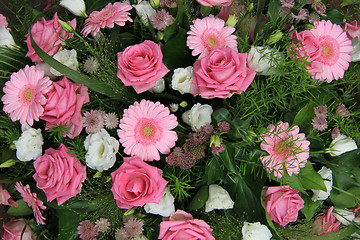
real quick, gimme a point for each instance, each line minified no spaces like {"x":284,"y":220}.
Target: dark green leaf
{"x":21,"y":210}
{"x":310,"y":179}
{"x":273,"y":11}
{"x":68,"y":222}
{"x":305,"y":114}
{"x":335,"y":16}
{"x":345,"y":199}
{"x":213,"y":171}
{"x":199,"y":199}
{"x":228,"y":157}
{"x":310,"y":207}
{"x":221,"y":114}
{"x":349,"y":2}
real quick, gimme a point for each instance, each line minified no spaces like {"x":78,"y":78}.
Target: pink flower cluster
{"x":18,"y":229}
{"x":325,"y":223}
{"x":132,"y":229}
{"x":326,"y":48}
{"x":319,"y":122}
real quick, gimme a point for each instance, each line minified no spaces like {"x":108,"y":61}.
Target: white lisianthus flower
{"x":144,"y":11}
{"x":164,"y":207}
{"x":76,"y":7}
{"x":29,"y":144}
{"x":219,"y":198}
{"x":355,"y":53}
{"x":66,"y":57}
{"x":6,"y":38}
{"x":255,"y":231}
{"x":326,"y":174}
{"x":101,"y":150}
{"x":340,"y":145}
{"x":263,"y":60}
{"x":344,"y":216}
{"x":182,"y":79}
{"x":159,"y":86}
{"x":198,"y":116}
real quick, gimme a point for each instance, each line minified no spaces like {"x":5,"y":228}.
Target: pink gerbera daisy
{"x":32,"y":201}
{"x":210,"y":33}
{"x":334,"y":48}
{"x":116,"y":13}
{"x":25,"y":94}
{"x":288,"y":149}
{"x":145,"y":130}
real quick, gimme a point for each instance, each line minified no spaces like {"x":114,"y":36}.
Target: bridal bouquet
{"x":164,"y":119}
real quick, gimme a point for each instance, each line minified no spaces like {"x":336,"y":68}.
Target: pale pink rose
{"x":48,"y":35}
{"x":181,"y":225}
{"x":210,"y":3}
{"x":141,"y":66}
{"x":14,"y":229}
{"x":59,"y":174}
{"x":64,"y":105}
{"x":5,"y":197}
{"x":136,"y":183}
{"x":221,"y":73}
{"x":352,"y":29}
{"x":325,"y":223}
{"x":283,"y":204}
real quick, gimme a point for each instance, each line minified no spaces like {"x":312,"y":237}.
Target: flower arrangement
{"x":163,"y":119}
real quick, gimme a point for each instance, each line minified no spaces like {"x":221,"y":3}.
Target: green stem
{"x":341,"y":234}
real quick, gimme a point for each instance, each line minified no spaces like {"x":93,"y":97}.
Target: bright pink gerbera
{"x":288,"y":149}
{"x":111,"y":14}
{"x":32,"y":201}
{"x":25,"y":94}
{"x":210,"y":33}
{"x":335,"y":47}
{"x":145,"y":130}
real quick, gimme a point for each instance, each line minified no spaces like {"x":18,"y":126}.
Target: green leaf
{"x":199,"y":199}
{"x":305,"y":114}
{"x":221,"y":114}
{"x":205,"y":11}
{"x":213,"y":171}
{"x":310,"y":179}
{"x":228,"y":156}
{"x":345,"y":199}
{"x":310,"y":207}
{"x":335,"y":16}
{"x":349,"y":2}
{"x":273,"y":11}
{"x":21,"y":210}
{"x":68,"y":222}
{"x":171,"y":30}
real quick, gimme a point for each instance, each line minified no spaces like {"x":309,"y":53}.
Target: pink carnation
{"x":283,"y":204}
{"x":325,"y":223}
{"x":145,"y":130}
{"x":210,"y":3}
{"x":136,"y":183}
{"x":59,"y":174}
{"x":64,"y":106}
{"x":141,"y":66}
{"x":110,"y":15}
{"x":220,"y":74}
{"x":48,"y":35}
{"x":288,"y":149}
{"x":25,"y":94}
{"x":208,"y":34}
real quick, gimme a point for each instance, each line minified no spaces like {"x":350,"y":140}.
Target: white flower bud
{"x":164,"y":207}
{"x":255,"y":231}
{"x":263,"y":60}
{"x":355,"y":53}
{"x":6,"y":38}
{"x":340,"y":145}
{"x":76,"y":7}
{"x":219,"y":198}
{"x":344,"y":216}
{"x":198,"y":116}
{"x":66,"y":57}
{"x":326,"y":174}
{"x":29,"y":144}
{"x":182,"y":79}
{"x":159,"y":86}
{"x":145,"y":11}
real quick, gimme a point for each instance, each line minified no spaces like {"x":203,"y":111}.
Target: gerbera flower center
{"x":330,"y":50}
{"x":283,"y":149}
{"x":28,"y":95}
{"x":213,"y":40}
{"x":148,"y":131}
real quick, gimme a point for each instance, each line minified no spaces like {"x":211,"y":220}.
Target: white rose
{"x":6,"y":39}
{"x":145,"y":11}
{"x":182,"y":79}
{"x":198,"y":116}
{"x":159,"y":87}
{"x":355,"y":53}
{"x":66,"y":57}
{"x":164,"y":207}
{"x":219,"y":198}
{"x":340,"y":145}
{"x":29,"y":144}
{"x":344,"y":216}
{"x":326,"y":174}
{"x":101,"y":150}
{"x":76,"y":7}
{"x":255,"y":231}
{"x":263,"y":60}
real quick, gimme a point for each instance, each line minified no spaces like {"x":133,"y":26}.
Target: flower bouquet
{"x":163,"y":119}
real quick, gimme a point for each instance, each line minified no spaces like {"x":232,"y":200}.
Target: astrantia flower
{"x":134,"y":227}
{"x":334,"y":48}
{"x":321,"y":111}
{"x":341,"y":110}
{"x":288,"y":149}
{"x":111,"y":121}
{"x":93,"y":121}
{"x":87,"y":230}
{"x":110,"y":15}
{"x":91,"y":65}
{"x":32,"y":201}
{"x":25,"y":94}
{"x":145,"y":130}
{"x":210,"y":33}
{"x":121,"y":234}
{"x":161,"y":19}
{"x":320,"y":123}
{"x":102,"y":224}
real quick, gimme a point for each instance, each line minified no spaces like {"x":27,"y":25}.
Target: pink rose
{"x":283,"y":204}
{"x":14,"y":229}
{"x":59,"y":174}
{"x":210,"y":3}
{"x":48,"y":35}
{"x":136,"y":183}
{"x":352,"y":29}
{"x":141,"y":66}
{"x":64,"y":105}
{"x":325,"y":223}
{"x":221,"y":73}
{"x":181,"y":225}
{"x":5,"y":197}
